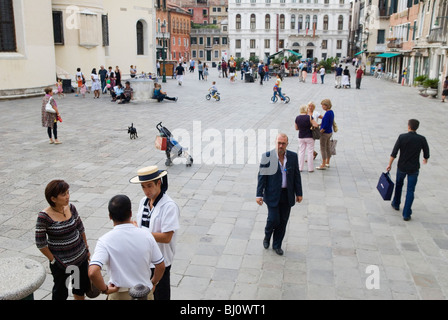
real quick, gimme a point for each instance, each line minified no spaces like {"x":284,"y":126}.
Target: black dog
{"x":132,"y":132}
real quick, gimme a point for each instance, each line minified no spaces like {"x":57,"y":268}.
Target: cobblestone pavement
{"x":340,"y":229}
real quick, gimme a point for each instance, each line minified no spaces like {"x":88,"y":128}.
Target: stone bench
{"x":20,"y":278}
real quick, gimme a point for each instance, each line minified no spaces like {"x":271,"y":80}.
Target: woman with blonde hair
{"x":316,"y":116}
{"x":303,"y":124}
{"x":326,"y":129}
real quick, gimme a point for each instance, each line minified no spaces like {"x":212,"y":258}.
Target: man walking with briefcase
{"x":410,"y":145}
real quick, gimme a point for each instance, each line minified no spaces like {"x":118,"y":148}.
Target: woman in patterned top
{"x":49,"y":120}
{"x":61,"y":238}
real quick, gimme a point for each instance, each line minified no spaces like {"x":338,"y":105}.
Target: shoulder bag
{"x":315,"y":131}
{"x":49,"y":107}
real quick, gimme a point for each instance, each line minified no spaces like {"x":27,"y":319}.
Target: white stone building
{"x":315,"y":28}
{"x":44,"y":39}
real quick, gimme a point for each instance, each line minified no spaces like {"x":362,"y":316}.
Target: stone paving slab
{"x":341,"y":227}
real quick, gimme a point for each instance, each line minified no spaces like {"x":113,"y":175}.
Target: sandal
{"x":321,"y":168}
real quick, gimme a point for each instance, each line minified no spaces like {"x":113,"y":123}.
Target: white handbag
{"x":49,"y":107}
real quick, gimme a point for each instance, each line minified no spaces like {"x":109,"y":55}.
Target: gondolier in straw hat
{"x":160,"y":215}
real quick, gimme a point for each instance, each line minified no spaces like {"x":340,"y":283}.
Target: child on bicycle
{"x":278,"y":89}
{"x":213,"y":89}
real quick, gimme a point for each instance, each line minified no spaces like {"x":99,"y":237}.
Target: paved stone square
{"x":334,"y":236}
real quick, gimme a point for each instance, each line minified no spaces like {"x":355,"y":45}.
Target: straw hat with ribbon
{"x":148,"y":174}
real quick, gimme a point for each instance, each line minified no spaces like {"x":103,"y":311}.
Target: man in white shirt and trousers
{"x":159,"y":214}
{"x":128,"y":253}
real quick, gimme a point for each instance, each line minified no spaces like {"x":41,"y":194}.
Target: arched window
{"x":325,"y":22}
{"x":253,"y":22}
{"x":140,"y":39}
{"x":282,"y":22}
{"x":340,"y":22}
{"x":267,"y":22}
{"x":238,"y":22}
{"x":300,"y":23}
{"x":307,"y":22}
{"x":293,"y":21}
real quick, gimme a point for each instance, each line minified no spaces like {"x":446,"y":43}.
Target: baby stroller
{"x":172,"y":148}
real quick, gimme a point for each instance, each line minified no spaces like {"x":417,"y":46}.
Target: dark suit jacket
{"x":270,"y":178}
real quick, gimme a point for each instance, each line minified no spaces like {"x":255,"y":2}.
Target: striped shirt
{"x":63,"y":238}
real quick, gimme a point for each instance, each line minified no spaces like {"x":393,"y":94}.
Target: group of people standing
{"x":308,"y":120}
{"x":137,"y":251}
{"x":101,"y":80}
{"x":343,"y":77}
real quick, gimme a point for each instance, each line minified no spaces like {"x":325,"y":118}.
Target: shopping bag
{"x":385,"y":186}
{"x":160,"y":143}
{"x":333,"y":144}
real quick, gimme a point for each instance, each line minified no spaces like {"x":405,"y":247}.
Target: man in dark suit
{"x":280,"y":187}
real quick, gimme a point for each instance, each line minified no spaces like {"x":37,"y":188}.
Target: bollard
{"x":139,"y":292}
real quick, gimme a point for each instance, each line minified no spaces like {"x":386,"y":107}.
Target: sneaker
{"x":176,"y":99}
{"x":285,"y":102}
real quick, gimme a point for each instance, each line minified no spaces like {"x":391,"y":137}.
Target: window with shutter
{"x":58,"y":27}
{"x":140,"y":39}
{"x":7,"y":27}
{"x":105,"y":27}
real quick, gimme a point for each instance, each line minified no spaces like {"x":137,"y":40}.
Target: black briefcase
{"x":385,"y":186}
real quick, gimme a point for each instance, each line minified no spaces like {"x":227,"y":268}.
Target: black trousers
{"x":163,"y":288}
{"x":277,"y":220}
{"x":60,"y":289}
{"x":55,"y":130}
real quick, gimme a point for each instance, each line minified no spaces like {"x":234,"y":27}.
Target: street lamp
{"x":163,"y":52}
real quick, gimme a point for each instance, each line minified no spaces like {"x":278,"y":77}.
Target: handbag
{"x":335,"y":126}
{"x":315,"y":131}
{"x":333,"y":144}
{"x":385,"y":186}
{"x":49,"y":107}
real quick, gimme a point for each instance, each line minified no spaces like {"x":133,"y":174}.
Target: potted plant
{"x":419,"y":82}
{"x":431,"y":86}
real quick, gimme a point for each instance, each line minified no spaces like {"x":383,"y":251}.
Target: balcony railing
{"x":437,"y":35}
{"x":395,"y":43}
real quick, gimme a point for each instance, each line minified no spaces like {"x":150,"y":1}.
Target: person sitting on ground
{"x":127,"y":95}
{"x":116,"y":92}
{"x":161,"y":95}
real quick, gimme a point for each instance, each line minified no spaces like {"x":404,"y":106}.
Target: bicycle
{"x":216,"y":96}
{"x":274,"y":99}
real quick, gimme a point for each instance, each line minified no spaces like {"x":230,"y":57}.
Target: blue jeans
{"x":279,"y":92}
{"x":412,"y":182}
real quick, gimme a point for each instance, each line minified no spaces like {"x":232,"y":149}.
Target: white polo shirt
{"x":128,"y":253}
